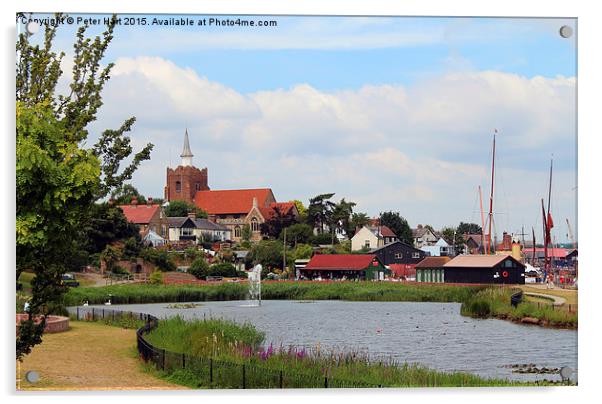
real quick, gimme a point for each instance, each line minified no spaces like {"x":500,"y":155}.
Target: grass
{"x":495,"y":302}
{"x":354,"y":291}
{"x":89,"y":355}
{"x":230,"y":346}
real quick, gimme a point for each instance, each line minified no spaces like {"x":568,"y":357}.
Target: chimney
{"x":419,"y":226}
{"x":192,"y":214}
{"x":134,"y":201}
{"x":150,"y":200}
{"x":111,"y":202}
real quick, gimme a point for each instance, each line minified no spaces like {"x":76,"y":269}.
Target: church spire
{"x":186,"y":153}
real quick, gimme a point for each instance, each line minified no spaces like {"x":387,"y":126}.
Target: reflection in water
{"x":432,"y":334}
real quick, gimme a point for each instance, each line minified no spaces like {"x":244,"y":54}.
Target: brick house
{"x":148,"y":217}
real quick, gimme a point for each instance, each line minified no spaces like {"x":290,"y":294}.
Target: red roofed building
{"x":348,"y":266}
{"x":232,"y":208}
{"x":148,"y":217}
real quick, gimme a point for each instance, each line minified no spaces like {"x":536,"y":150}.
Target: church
{"x":233,"y":208}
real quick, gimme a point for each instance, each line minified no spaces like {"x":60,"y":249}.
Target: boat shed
{"x":431,"y":269}
{"x":499,"y":269}
{"x":345,"y":266}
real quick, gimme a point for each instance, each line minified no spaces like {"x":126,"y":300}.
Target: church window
{"x":178,"y":186}
{"x":254,"y":224}
{"x":237,"y":231}
{"x":197,"y":186}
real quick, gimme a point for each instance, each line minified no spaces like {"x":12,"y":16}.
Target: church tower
{"x":186,"y":180}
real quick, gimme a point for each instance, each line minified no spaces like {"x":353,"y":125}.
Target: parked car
{"x":69,"y":280}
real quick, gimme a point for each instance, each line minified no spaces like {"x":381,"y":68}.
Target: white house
{"x":198,"y":230}
{"x":440,"y":249}
{"x":372,"y":237}
{"x":423,"y":236}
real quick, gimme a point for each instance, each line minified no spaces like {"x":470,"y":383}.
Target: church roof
{"x":232,"y":201}
{"x":186,"y":152}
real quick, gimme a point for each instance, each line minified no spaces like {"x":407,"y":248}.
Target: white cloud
{"x":422,"y":150}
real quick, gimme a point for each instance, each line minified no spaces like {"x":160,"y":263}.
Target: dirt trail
{"x":90,"y":356}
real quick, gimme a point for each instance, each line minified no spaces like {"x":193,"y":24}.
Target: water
{"x":432,"y":334}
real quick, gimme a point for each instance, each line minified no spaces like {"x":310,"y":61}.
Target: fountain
{"x":255,"y":286}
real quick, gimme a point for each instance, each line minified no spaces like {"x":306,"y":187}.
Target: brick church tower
{"x":185,"y":180}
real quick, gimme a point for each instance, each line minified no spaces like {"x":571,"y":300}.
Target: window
{"x":163,"y":230}
{"x":367,"y":244}
{"x":415,"y":255}
{"x":186,"y":231}
{"x":237,"y":231}
{"x":254,"y":225}
{"x":399,"y":256}
{"x":178,"y":186}
{"x":197,"y":186}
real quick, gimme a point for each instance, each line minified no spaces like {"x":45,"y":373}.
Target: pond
{"x":432,"y":334}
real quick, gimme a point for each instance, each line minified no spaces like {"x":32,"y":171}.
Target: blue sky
{"x":393,"y":113}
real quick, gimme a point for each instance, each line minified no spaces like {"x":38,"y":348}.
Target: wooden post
{"x":183,"y":361}
{"x":77,"y":314}
{"x":211,"y":370}
{"x":93,"y":313}
{"x":163,"y":360}
{"x":325,"y":382}
{"x":280,"y":379}
{"x":244,"y":377}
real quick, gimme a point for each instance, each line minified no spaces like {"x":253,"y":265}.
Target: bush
{"x":119,"y":270}
{"x":199,"y":268}
{"x":224,"y":269}
{"x":324,"y":238}
{"x":480,"y":308}
{"x":156,"y":278}
{"x":160,"y":258}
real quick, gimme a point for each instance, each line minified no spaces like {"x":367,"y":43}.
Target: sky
{"x":393,"y":113}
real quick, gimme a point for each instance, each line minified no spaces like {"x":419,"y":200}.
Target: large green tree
{"x":124,"y":195}
{"x":182,"y":208}
{"x":319,"y":212}
{"x":58,"y":178}
{"x":469,"y":228}
{"x":399,"y":225}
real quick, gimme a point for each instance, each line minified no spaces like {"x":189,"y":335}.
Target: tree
{"x":302,"y":210}
{"x":106,"y":224}
{"x":454,"y":238}
{"x":319,"y":211}
{"x":302,"y":251}
{"x":398,"y":225}
{"x":280,"y":220}
{"x":245,"y":234}
{"x":469,"y":228}
{"x":341,"y":217}
{"x":299,"y":233}
{"x":124,"y":195}
{"x":57,"y":178}
{"x":199,"y":268}
{"x":268,"y":253}
{"x":182,"y":208}
{"x":359,"y":220}
{"x":110,"y":255}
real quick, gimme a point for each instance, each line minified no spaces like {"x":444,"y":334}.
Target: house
{"x":431,"y":269}
{"x":369,"y":238}
{"x":424,"y":236}
{"x":473,"y":243}
{"x":148,"y":217}
{"x":440,"y":249}
{"x":499,"y":269}
{"x":400,"y":258}
{"x":344,"y":266}
{"x":230,"y":208}
{"x":189,"y":228}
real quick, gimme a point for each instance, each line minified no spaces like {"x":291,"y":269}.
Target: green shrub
{"x":199,"y":268}
{"x":224,"y":269}
{"x":156,"y":278}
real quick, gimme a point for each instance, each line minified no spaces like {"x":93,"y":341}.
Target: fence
{"x":213,"y":373}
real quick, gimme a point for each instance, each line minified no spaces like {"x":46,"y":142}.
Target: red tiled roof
{"x":139,"y":214}
{"x":340,"y":261}
{"x":387,"y":232}
{"x":285,"y":209}
{"x":552,"y":252}
{"x":433,"y":262}
{"x":234,"y":201}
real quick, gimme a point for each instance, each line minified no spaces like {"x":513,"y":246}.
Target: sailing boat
{"x":547,"y":228}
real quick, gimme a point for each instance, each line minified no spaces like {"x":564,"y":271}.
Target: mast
{"x":533,"y":256}
{"x":491,"y":195}
{"x":548,"y":221}
{"x":482,"y":218}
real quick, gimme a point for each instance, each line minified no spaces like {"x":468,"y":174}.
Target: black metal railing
{"x":211,"y":372}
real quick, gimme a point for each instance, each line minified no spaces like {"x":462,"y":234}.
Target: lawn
{"x":89,"y":356}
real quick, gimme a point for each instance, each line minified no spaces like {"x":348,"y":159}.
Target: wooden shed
{"x":501,"y":269}
{"x":345,"y":266}
{"x":431,"y":269}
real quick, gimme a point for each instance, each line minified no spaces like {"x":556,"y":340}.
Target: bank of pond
{"x":480,"y":301}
